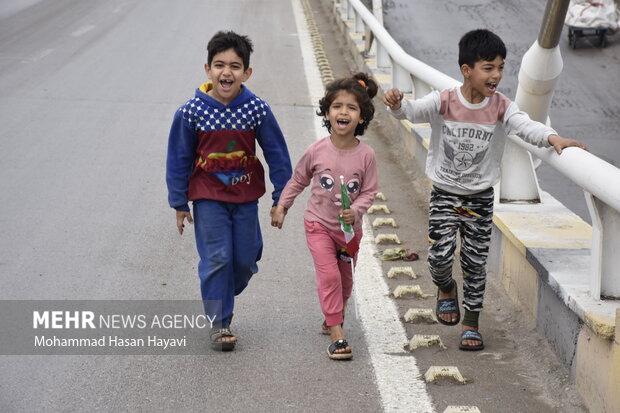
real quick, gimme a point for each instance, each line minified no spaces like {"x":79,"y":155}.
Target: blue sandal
{"x":448,"y":306}
{"x":471,"y":335}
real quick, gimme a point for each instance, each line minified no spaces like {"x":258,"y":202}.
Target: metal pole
{"x":553,"y":21}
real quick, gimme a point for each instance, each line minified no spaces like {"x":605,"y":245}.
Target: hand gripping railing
{"x":599,"y":180}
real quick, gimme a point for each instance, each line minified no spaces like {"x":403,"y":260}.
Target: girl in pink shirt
{"x":347,"y":109}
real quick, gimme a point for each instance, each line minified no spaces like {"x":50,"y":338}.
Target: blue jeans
{"x":229,"y":243}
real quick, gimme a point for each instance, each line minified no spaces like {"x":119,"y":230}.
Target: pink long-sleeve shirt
{"x":322,"y":165}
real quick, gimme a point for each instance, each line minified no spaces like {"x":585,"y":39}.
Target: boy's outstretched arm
{"x":560,"y":143}
{"x":278,"y":213}
{"x":182,"y":216}
{"x":392,"y":98}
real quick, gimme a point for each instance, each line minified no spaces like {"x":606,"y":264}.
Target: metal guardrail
{"x":599,"y":180}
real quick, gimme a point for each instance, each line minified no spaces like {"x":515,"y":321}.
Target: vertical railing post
{"x":359,"y":23}
{"x":350,"y":11}
{"x":401,"y":78}
{"x":383,"y":57}
{"x":369,"y":38}
{"x":605,"y":259}
{"x":420,"y":88}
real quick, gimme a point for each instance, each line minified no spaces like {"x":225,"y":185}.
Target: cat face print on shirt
{"x":331,"y":183}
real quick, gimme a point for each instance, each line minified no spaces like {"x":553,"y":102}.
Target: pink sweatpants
{"x":334,"y":277}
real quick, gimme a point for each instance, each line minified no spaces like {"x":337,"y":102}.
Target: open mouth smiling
{"x":226,"y":84}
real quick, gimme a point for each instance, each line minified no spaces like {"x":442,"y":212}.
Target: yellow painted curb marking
{"x":387,"y":239}
{"x":425,"y":340}
{"x":394,"y":271}
{"x":404,"y":290}
{"x":444,"y":371}
{"x":378,"y":222}
{"x":376,"y":208}
{"x":461,"y":409}
{"x":420,"y":314}
{"x":603,"y":326}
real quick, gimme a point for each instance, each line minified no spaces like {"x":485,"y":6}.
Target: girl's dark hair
{"x":362,"y":87}
{"x":478,"y":45}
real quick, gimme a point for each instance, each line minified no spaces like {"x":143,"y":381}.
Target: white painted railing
{"x":599,"y":180}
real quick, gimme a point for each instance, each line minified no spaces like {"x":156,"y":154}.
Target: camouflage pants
{"x":472,"y":217}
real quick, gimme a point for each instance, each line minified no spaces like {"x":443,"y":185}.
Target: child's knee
{"x":215,"y":262}
{"x":327,"y":278}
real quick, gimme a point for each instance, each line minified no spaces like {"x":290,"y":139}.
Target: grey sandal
{"x":216,"y":339}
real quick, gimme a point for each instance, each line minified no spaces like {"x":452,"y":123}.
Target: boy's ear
{"x":247,"y":73}
{"x":466,"y":70}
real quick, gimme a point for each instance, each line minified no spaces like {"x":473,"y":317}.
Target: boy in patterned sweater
{"x":212,"y":162}
{"x":470,"y":125}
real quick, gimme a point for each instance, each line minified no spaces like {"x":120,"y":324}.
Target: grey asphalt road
{"x":88,"y":93}
{"x":586,"y":103}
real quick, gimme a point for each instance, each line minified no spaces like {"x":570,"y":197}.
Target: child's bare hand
{"x":392,"y":98}
{"x":348,"y":216}
{"x":278,"y":213}
{"x":181,"y":216}
{"x":560,"y":143}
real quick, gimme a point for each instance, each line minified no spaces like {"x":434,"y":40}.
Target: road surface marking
{"x":395,"y":271}
{"x":378,"y":222}
{"x":420,"y":314}
{"x":409,"y":290}
{"x":434,"y":372}
{"x":425,"y":340}
{"x":82,"y":30}
{"x":461,"y":409}
{"x":387,"y":239}
{"x":376,"y":208}
{"x":38,"y":56}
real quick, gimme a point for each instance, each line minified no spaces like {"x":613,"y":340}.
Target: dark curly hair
{"x":362,"y":87}
{"x":222,"y":41}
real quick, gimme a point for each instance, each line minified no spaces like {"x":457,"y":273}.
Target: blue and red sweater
{"x":212,"y":150}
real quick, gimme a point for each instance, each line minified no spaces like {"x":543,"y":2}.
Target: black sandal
{"x":474,"y":336}
{"x":339,"y":345}
{"x":216,"y":339}
{"x":448,"y":306}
